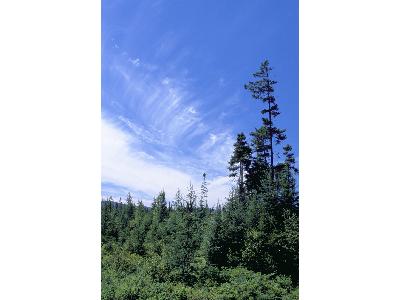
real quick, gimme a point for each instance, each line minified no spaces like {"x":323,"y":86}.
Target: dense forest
{"x":246,"y":248}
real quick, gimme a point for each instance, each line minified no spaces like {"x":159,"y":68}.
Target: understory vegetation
{"x":246,"y":248}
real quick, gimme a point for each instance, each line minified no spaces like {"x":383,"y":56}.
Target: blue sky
{"x":172,"y":88}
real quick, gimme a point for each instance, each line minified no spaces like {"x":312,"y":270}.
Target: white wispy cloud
{"x":127,"y":167}
{"x":151,"y":137}
{"x":160,"y":137}
{"x":163,"y":104}
{"x":217,"y":149}
{"x":135,"y":62}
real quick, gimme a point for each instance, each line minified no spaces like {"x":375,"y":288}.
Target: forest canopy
{"x":246,"y":248}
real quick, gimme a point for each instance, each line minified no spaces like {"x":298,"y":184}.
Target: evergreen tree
{"x":159,"y":206}
{"x":111,"y":221}
{"x":285,"y":246}
{"x":138,"y":229}
{"x":203,"y":205}
{"x":216,"y":247}
{"x":130,"y":206}
{"x":263,"y":89}
{"x":180,"y":252}
{"x":107,"y":220}
{"x":179,"y":201}
{"x":191,"y":198}
{"x":257,"y":254}
{"x":287,"y":181}
{"x":155,"y":234}
{"x":260,"y":166}
{"x":240,"y":162}
{"x":260,"y":145}
{"x":234,"y":228}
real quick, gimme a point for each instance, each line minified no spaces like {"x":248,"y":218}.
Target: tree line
{"x":246,"y":248}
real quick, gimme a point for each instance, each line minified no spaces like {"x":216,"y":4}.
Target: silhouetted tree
{"x":240,"y":162}
{"x":263,"y":89}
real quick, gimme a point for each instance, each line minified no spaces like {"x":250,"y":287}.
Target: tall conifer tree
{"x":263,"y":89}
{"x":203,"y":193}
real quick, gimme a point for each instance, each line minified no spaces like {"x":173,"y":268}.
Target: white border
{"x":50,"y":149}
{"x":349,"y":148}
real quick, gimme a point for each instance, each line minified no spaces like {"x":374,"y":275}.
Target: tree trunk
{"x":241,"y":180}
{"x":270,"y":139}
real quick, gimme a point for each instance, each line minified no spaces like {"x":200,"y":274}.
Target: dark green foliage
{"x":240,"y":162}
{"x":245,"y":249}
{"x":263,"y":89}
{"x":137,"y":229}
{"x":130,"y":276}
{"x":286,"y":181}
